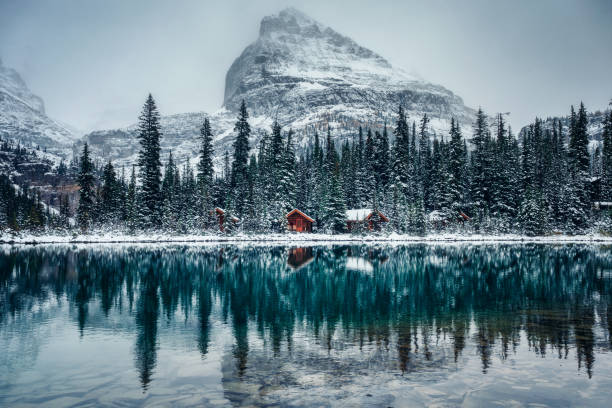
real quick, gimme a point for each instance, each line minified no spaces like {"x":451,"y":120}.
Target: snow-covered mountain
{"x":23,"y":118}
{"x":307,"y":76}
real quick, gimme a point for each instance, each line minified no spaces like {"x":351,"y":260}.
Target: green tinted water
{"x":313,"y":326}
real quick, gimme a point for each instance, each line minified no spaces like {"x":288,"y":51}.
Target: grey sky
{"x":93,"y":62}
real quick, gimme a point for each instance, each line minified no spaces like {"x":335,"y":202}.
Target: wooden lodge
{"x":366,"y":218}
{"x":298,"y":221}
{"x":439,"y":219}
{"x":221,"y":218}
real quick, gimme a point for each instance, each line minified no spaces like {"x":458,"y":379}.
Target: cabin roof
{"x":362,"y":214}
{"x":221,"y":211}
{"x":295,"y":210}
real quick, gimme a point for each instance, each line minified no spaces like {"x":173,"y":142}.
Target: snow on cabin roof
{"x":362,"y":214}
{"x":221,"y":211}
{"x":359,"y":214}
{"x":436,"y":216}
{"x":299,"y":212}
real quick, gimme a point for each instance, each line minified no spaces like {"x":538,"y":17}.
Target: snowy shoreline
{"x":309,"y":239}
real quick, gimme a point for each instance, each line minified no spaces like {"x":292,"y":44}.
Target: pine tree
{"x":86,"y":180}
{"x":502,"y":206}
{"x":360,"y":172}
{"x":578,"y":155}
{"x":381,"y":159}
{"x":149,"y":134}
{"x":456,"y":167}
{"x":205,"y":175}
{"x":481,"y":172}
{"x":400,"y":168}
{"x":531,"y":214}
{"x":131,"y":204}
{"x":369,"y":166}
{"x":110,"y":196}
{"x":288,"y":175}
{"x":335,"y":219}
{"x":334,"y":202}
{"x":606,"y":159}
{"x":239,"y":177}
{"x":424,"y":163}
{"x":170,"y":200}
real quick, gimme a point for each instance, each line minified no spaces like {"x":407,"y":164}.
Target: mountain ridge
{"x":308,"y":77}
{"x":23,"y":117}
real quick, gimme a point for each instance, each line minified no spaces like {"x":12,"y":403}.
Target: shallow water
{"x":416,"y":325}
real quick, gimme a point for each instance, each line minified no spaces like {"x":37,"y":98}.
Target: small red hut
{"x":365,"y":217}
{"x":298,"y":221}
{"x":220,"y":212}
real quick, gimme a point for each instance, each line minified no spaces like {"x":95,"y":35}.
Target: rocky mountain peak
{"x":12,"y":84}
{"x":290,"y":21}
{"x":309,"y":78}
{"x":23,"y":118}
{"x":293,"y":52}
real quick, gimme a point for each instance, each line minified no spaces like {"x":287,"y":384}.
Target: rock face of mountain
{"x":301,"y":71}
{"x":308,"y":77}
{"x":23,"y":118}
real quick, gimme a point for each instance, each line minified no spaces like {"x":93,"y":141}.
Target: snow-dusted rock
{"x":307,"y":76}
{"x":23,"y":118}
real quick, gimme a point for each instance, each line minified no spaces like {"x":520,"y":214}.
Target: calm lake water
{"x":416,"y":325}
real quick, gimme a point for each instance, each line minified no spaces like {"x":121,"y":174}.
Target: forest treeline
{"x":544,"y":180}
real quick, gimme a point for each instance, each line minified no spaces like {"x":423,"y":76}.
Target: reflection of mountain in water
{"x":417,"y":310}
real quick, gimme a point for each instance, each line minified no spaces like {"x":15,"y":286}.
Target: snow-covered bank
{"x":296,"y":238}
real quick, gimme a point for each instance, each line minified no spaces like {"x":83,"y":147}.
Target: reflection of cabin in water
{"x":366,"y":218}
{"x":299,"y":222}
{"x":299,"y":257}
{"x":221,"y":216}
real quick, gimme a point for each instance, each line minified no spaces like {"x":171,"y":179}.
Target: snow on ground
{"x":295,"y":238}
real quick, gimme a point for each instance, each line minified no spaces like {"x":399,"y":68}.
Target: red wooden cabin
{"x":299,"y":222}
{"x":364,"y":216}
{"x":220,"y":212}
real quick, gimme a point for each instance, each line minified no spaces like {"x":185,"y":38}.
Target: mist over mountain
{"x":308,"y":77}
{"x":23,"y":117}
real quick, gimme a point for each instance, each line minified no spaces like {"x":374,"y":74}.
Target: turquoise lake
{"x":389,"y":326}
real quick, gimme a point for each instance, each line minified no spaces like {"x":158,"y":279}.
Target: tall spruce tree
{"x":170,"y":200}
{"x":149,"y":163}
{"x":456,"y":168}
{"x":578,"y":155}
{"x":110,"y":196}
{"x":205,"y":177}
{"x":131,"y":204}
{"x":239,"y":177}
{"x":86,"y":180}
{"x":481,"y":172}
{"x":606,"y":162}
{"x":424,"y":164}
{"x":400,"y":170}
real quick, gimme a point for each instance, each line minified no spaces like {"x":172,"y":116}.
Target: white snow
{"x":295,"y":238}
{"x":359,"y":214}
{"x":354,"y":263}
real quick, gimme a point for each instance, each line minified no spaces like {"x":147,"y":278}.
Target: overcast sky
{"x":93,"y":62}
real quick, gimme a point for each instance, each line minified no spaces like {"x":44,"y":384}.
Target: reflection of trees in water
{"x":147,"y":314}
{"x":414,"y":297}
